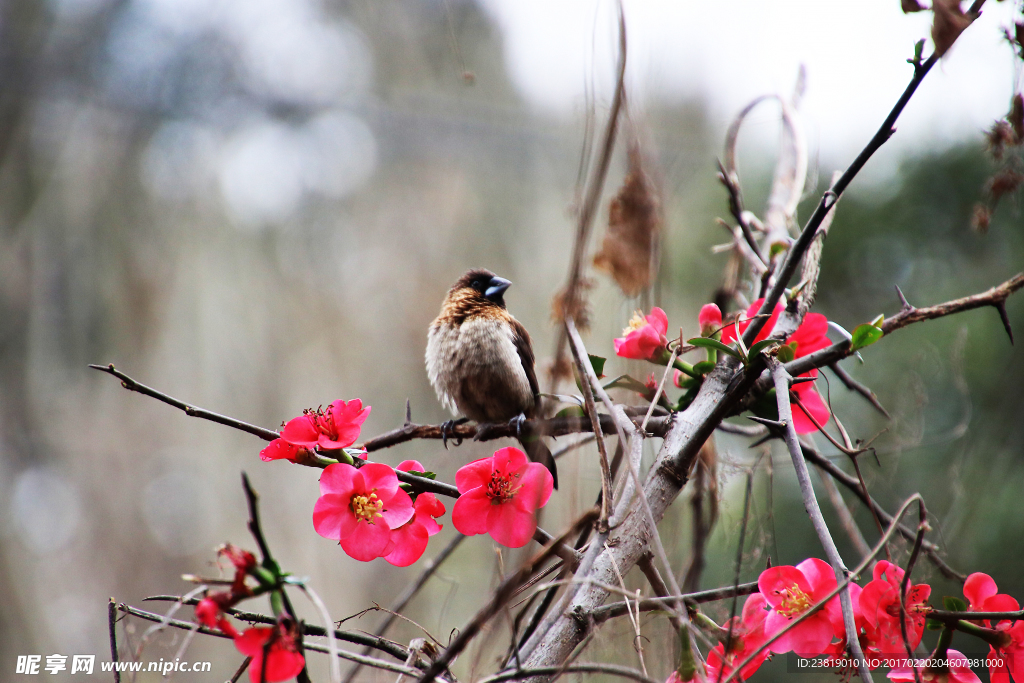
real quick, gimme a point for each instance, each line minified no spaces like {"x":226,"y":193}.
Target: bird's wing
{"x":521,"y":339}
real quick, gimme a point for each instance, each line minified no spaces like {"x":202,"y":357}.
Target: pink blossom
{"x":791,"y":591}
{"x":500,"y":497}
{"x":410,"y":540}
{"x":747,"y":638}
{"x":709,"y":319}
{"x":336,"y":427}
{"x":809,"y":337}
{"x":984,"y":596}
{"x":360,"y":507}
{"x":281,"y":659}
{"x":959,"y":672}
{"x":645,"y":336}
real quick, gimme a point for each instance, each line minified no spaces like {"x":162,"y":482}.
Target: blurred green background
{"x":260,"y":227}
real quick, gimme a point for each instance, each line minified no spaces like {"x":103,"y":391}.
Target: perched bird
{"x":480,"y":360}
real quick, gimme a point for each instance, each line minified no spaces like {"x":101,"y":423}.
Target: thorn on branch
{"x":772,"y":424}
{"x":903,"y":299}
{"x":1001,"y":307}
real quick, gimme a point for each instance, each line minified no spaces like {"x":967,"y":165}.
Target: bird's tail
{"x":538,"y":452}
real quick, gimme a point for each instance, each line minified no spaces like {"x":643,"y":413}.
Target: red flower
{"x":281,"y":659}
{"x":791,"y":591}
{"x":359,"y":508}
{"x":982,"y":593}
{"x":644,"y":337}
{"x":809,"y":337}
{"x":500,"y":497}
{"x":336,"y":427}
{"x":210,"y":610}
{"x":709,"y":319}
{"x":959,"y":672}
{"x":410,"y":540}
{"x":747,"y":637}
{"x":674,"y":677}
{"x":880,"y":605}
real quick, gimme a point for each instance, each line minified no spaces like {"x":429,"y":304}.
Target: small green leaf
{"x":954,"y":604}
{"x":425,"y":475}
{"x":777,"y":248}
{"x":933,"y":624}
{"x":703,"y":367}
{"x":708,"y":343}
{"x":627,"y":382}
{"x":761,"y":346}
{"x":877,"y":322}
{"x":598,"y":364}
{"x":571,"y":411}
{"x":787,"y":352}
{"x":864,"y":335}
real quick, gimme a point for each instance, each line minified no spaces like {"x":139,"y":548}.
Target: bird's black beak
{"x":496,"y":288}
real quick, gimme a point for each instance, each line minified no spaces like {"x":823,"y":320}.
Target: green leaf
{"x":571,"y":411}
{"x":703,"y":367}
{"x":425,"y":475}
{"x":598,"y":364}
{"x":708,"y":343}
{"x":787,"y":352}
{"x":864,"y":335}
{"x":954,"y":604}
{"x":761,"y":346}
{"x":933,"y":624}
{"x":627,"y":382}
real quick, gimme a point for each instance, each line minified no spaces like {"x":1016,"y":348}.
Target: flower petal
{"x":776,"y":579}
{"x":535,"y":488}
{"x":475,"y":474}
{"x":812,"y":403}
{"x":341,"y":479}
{"x":301,"y":431}
{"x":332,"y":516}
{"x":979,"y":587}
{"x":409,"y":543}
{"x":470,"y":512}
{"x":398,"y":509}
{"x":367,"y":541}
{"x":380,"y":478}
{"x":510,"y":526}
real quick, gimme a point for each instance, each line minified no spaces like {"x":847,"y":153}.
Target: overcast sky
{"x":730,"y":51}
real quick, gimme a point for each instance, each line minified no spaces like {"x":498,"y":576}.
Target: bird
{"x":480,"y":360}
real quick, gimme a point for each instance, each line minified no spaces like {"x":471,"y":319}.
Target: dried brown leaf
{"x":911,"y":6}
{"x":634,"y":226}
{"x":998,"y":138}
{"x":980,"y":218}
{"x":1006,"y":181}
{"x":573,"y":304}
{"x":948,"y":23}
{"x":1016,"y":117}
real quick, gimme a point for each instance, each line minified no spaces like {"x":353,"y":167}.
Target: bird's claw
{"x":516,"y":423}
{"x":447,"y":427}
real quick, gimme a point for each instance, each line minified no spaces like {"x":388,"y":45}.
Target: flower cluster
{"x":809,"y":337}
{"x":274,"y":649}
{"x":782,"y":609}
{"x":645,"y":339}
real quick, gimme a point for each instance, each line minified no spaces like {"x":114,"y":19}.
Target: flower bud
{"x":710,"y":319}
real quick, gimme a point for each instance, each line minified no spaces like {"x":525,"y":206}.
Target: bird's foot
{"x":448,"y":427}
{"x":516,"y":423}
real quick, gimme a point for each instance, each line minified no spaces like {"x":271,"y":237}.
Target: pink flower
{"x":959,"y":672}
{"x":360,"y":507}
{"x":674,"y":677}
{"x":880,"y":605}
{"x":791,"y":591}
{"x":747,"y":637}
{"x":281,"y":659}
{"x":645,"y":336}
{"x":210,"y":610}
{"x":809,"y":337}
{"x":709,"y":319}
{"x":336,"y":427}
{"x":410,"y":540}
{"x":500,"y":497}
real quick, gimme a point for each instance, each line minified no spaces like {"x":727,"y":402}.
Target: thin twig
{"x":611,"y":669}
{"x":112,"y":627}
{"x":922,"y":527}
{"x":190,"y":410}
{"x":782,"y":380}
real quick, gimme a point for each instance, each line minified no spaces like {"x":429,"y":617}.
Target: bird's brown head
{"x":477,"y":291}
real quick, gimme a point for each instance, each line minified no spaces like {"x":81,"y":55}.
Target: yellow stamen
{"x":367,"y":508}
{"x":794,"y":602}
{"x":635,"y":323}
